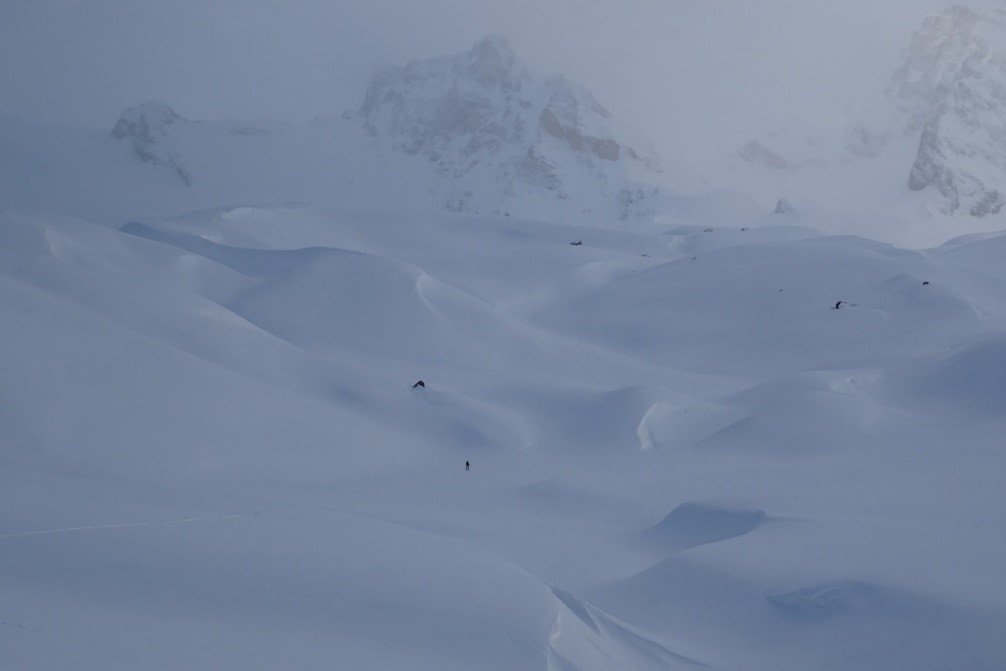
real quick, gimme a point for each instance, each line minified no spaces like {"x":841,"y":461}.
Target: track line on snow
{"x":331,"y":506}
{"x":123,"y":525}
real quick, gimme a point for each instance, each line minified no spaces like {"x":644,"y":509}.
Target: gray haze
{"x":693,"y":74}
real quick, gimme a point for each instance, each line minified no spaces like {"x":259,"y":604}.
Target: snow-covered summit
{"x":939,"y":50}
{"x":497,"y":132}
{"x":477,"y":132}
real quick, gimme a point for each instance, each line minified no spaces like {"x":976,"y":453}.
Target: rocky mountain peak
{"x":493,"y":48}
{"x":484,"y":118}
{"x":145,"y":119}
{"x":491,"y":63}
{"x":952,"y":85}
{"x":146,"y":128}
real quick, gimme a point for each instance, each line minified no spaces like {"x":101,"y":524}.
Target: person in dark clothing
{"x":419,"y":384}
{"x":468,"y":465}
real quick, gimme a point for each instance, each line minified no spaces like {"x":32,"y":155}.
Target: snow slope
{"x":215,"y":459}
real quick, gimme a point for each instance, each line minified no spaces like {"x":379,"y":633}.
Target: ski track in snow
{"x":216,"y":518}
{"x":122,"y":525}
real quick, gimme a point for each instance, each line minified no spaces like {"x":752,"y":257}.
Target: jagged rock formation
{"x":782,"y":206}
{"x":952,"y":85}
{"x":756,"y":152}
{"x":498,"y":133}
{"x":865,"y":141}
{"x":146,"y":127}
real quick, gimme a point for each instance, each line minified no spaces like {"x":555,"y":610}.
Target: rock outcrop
{"x":146,"y":127}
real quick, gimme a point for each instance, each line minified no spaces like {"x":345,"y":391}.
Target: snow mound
{"x":692,"y":240}
{"x":633,"y":649}
{"x":314,"y":298}
{"x":771,"y":305}
{"x":972,"y":379}
{"x":610,"y":421}
{"x":693,"y":524}
{"x":829,"y":412}
{"x":823,"y":601}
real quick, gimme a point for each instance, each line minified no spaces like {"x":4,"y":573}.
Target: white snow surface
{"x":682,"y":455}
{"x":701,"y":437}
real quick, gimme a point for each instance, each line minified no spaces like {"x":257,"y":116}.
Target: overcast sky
{"x":678,"y":69}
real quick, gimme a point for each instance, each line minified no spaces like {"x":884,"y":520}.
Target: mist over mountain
{"x":477,"y":132}
{"x":939,"y":123}
{"x":503,"y":134}
{"x":951,"y":84}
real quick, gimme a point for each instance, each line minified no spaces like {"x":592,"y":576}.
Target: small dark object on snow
{"x":708,"y":230}
{"x":468,"y":465}
{"x":578,"y":243}
{"x":838,"y":305}
{"x":926,"y":283}
{"x":646,"y":256}
{"x":695,"y":258}
{"x":743,"y":229}
{"x":419,"y":384}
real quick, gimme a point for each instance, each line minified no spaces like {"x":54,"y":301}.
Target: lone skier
{"x":468,"y":465}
